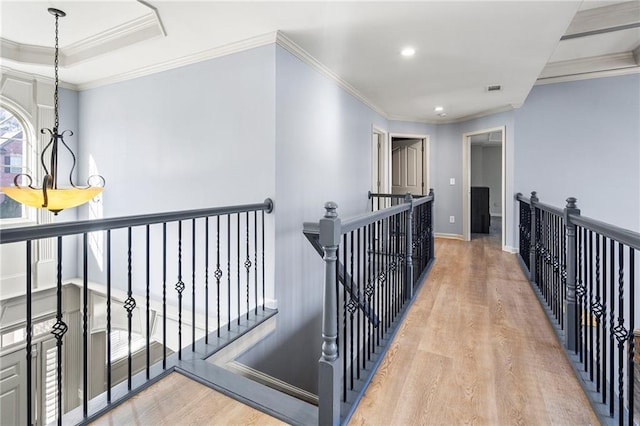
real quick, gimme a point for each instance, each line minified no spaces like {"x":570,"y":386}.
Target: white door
{"x":13,"y":392}
{"x":406,"y":167}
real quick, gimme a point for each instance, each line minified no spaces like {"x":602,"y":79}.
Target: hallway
{"x":475,"y":348}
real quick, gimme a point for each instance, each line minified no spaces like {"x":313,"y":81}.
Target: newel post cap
{"x":330,"y":207}
{"x":571,"y":203}
{"x":534,"y":196}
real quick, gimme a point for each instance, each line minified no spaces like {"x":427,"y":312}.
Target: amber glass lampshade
{"x":57,"y":199}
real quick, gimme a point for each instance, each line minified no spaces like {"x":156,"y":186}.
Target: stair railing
{"x":206,"y":267}
{"x":373,"y":265}
{"x":585,"y":273}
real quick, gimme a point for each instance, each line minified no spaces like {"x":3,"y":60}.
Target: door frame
{"x":426,"y":170}
{"x":466,"y":181}
{"x":385,"y":176}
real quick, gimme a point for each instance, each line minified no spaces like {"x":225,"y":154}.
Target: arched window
{"x":13,"y":161}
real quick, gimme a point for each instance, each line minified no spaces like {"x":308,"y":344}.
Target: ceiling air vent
{"x":494,"y":88}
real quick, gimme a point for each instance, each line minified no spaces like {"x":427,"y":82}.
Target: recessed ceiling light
{"x":438,"y":109}
{"x":408,"y":52}
{"x":442,"y":114}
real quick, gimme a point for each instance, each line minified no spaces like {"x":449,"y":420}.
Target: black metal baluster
{"x":263,"y":277}
{"x":378,"y":294}
{"x":579,"y":293}
{"x":612,"y":255}
{"x":360,"y":299}
{"x":255,"y":261}
{"x":238,"y":265}
{"x":193,"y":285}
{"x":369,"y":288}
{"x":29,"y":397}
{"x":590,"y":309}
{"x":597,"y":313}
{"x":228,"y":272}
{"x":587,"y":295}
{"x":631,"y":354}
{"x":164,"y":295}
{"x":352,"y":308}
{"x":218,"y":273}
{"x":206,"y":280}
{"x":109,"y":316}
{"x":247,"y":264}
{"x":85,"y":325}
{"x":129,"y":306}
{"x":59,"y":329}
{"x":344,"y":316}
{"x":180,"y":288}
{"x":605,"y":309}
{"x":621,"y":333}
{"x":148,"y":272}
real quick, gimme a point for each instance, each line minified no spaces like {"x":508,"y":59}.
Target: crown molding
{"x":605,"y":18}
{"x":27,"y":76}
{"x":26,"y":53}
{"x":140,"y":29}
{"x":588,"y":75}
{"x":216,"y":52}
{"x":504,"y":108}
{"x":593,"y":67}
{"x":304,"y":56}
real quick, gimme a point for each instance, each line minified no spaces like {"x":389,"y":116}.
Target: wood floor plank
{"x":178,"y":400}
{"x":476,"y":349}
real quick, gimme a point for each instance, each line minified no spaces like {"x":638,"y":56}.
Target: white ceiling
{"x":461,"y":47}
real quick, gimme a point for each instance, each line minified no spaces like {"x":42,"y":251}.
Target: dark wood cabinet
{"x":480,"y":218}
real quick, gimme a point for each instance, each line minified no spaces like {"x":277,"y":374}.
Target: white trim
{"x":426,"y":169}
{"x":449,"y":236}
{"x":272,"y":382}
{"x":236,"y":47}
{"x":488,"y":112}
{"x":466,"y":181}
{"x":304,"y":56}
{"x":588,"y":75}
{"x":383,"y":138}
{"x":510,"y":249}
{"x":270,"y":303}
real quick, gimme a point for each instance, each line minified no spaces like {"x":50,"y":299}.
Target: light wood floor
{"x":177,"y":400}
{"x":475,"y":348}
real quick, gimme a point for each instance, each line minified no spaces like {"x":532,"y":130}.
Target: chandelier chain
{"x":55,"y":93}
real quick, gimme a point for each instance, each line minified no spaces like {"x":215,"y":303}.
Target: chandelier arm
{"x":45,"y":196}
{"x":17,"y":184}
{"x":73,"y":156}
{"x":44,"y":150}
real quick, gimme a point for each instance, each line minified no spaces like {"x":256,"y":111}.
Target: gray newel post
{"x":570,"y":318}
{"x":409,"y":246}
{"x":532,"y":239}
{"x":328,"y":367}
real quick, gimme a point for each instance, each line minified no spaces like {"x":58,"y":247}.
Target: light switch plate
{"x":452,"y":181}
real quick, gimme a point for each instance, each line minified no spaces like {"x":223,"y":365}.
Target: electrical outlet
{"x":452,"y":219}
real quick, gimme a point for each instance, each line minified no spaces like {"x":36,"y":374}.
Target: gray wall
{"x":198,"y":136}
{"x":486,"y":170}
{"x":582,"y":139}
{"x":446,"y":158}
{"x":323,"y":152}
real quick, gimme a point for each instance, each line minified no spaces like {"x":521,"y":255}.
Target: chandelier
{"x":50,"y":196}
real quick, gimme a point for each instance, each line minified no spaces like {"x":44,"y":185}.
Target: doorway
{"x":409,"y":164}
{"x":484,"y":185}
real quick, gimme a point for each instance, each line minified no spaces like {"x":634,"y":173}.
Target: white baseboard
{"x":270,"y":303}
{"x":450,"y":236}
{"x":510,"y":249}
